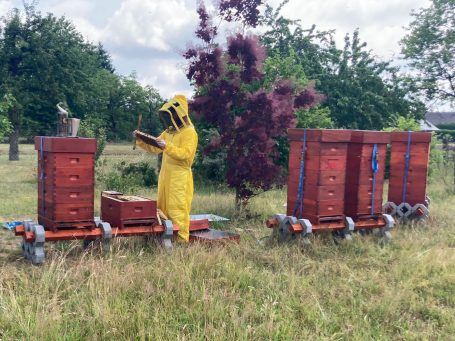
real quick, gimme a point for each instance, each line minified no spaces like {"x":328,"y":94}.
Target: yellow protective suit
{"x":175,"y":182}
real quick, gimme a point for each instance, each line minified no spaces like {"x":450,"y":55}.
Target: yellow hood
{"x":178,"y":105}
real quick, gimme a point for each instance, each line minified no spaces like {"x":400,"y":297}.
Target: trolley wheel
{"x":284,"y":234}
{"x":37,"y":247}
{"x":280,"y":218}
{"x":389,"y":208}
{"x":404,"y":210}
{"x":420,"y":211}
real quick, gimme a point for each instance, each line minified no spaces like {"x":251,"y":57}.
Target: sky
{"x":147,"y":36}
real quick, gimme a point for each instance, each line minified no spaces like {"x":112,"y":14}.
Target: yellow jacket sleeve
{"x":149,"y":148}
{"x":187,"y":149}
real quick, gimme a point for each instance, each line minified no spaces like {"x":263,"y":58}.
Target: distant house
{"x":427,"y":126}
{"x":441,"y":119}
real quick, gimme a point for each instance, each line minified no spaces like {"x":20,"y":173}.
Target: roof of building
{"x":440,"y":117}
{"x":427,"y":126}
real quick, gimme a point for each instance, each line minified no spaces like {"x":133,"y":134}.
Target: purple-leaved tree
{"x":231,"y":97}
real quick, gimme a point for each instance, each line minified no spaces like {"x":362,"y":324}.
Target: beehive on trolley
{"x":365,"y":178}
{"x":66,"y":178}
{"x":316,"y":183}
{"x":409,"y":159}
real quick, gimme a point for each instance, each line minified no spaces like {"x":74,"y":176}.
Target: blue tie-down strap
{"x":406,"y":167}
{"x":11,"y":225}
{"x":374,"y":169}
{"x":300,"y":193}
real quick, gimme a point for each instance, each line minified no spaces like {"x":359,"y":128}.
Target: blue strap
{"x":406,"y":167}
{"x":374,"y":169}
{"x":300,"y":193}
{"x":41,"y":177}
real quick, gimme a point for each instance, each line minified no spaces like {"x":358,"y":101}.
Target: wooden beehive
{"x":416,"y":184}
{"x":127,"y":211}
{"x":359,"y":201}
{"x":66,"y":169}
{"x":325,"y":173}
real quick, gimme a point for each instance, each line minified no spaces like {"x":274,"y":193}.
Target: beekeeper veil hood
{"x":174,"y":114}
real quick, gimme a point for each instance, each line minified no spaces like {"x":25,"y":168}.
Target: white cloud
{"x":380,"y":22}
{"x":158,"y":24}
{"x":5,"y":6}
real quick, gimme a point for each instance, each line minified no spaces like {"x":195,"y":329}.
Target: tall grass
{"x":245,"y":291}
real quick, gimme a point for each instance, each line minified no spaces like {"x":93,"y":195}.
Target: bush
{"x":127,"y":178}
{"x":443,"y":133}
{"x":142,"y":171}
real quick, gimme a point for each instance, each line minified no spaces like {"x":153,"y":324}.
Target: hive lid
{"x":370,"y":136}
{"x":320,"y":135}
{"x":65,"y":144}
{"x":416,"y":136}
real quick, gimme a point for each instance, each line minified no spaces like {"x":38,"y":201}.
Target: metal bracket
{"x":349,"y":223}
{"x":389,"y":224}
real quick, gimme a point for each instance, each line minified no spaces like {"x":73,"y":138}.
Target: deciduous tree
{"x":248,"y":111}
{"x":429,"y":47}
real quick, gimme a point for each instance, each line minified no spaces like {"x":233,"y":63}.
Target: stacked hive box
{"x":127,"y":211}
{"x":65,"y":182}
{"x":321,"y":199}
{"x":364,"y":187}
{"x":417,"y":146}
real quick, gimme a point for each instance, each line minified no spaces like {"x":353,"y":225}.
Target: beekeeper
{"x":178,"y":143}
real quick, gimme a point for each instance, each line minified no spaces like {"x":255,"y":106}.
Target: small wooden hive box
{"x":324,"y":174}
{"x":364,"y":187}
{"x":416,"y":175}
{"x":66,"y":171}
{"x":127,"y":211}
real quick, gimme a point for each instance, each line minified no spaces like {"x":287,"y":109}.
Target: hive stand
{"x":316,"y":184}
{"x":365,"y":180}
{"x":409,"y":161}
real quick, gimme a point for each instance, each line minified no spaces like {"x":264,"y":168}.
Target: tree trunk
{"x":14,"y":136}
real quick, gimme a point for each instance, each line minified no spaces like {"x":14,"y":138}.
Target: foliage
{"x":402,"y":123}
{"x":361,"y":91}
{"x":430,"y":49}
{"x":143,"y":171}
{"x":446,"y":126}
{"x":249,"y":110}
{"x":6,"y":102}
{"x":93,"y":127}
{"x":44,"y":60}
{"x":128,"y":177}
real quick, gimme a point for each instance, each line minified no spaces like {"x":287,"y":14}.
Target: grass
{"x":245,"y":291}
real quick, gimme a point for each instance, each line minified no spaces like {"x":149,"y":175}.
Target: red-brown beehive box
{"x":419,"y":153}
{"x":66,"y":171}
{"x":325,"y":173}
{"x":127,"y":211}
{"x":359,"y":200}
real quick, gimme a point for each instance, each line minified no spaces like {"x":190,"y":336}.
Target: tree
{"x":430,"y":49}
{"x":44,"y":60}
{"x":6,"y":103}
{"x":247,"y":111}
{"x":361,"y":92}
